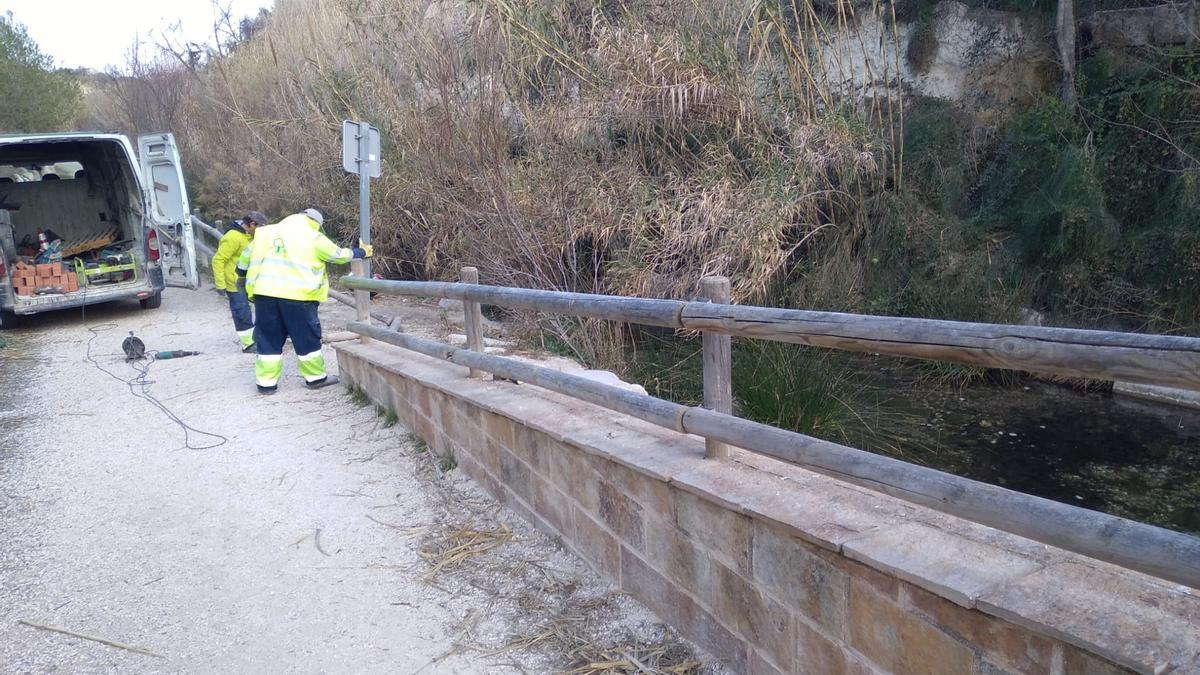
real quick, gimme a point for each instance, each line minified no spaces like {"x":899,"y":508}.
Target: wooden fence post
{"x":718,"y":364}
{"x":362,"y":299}
{"x":473,"y":319}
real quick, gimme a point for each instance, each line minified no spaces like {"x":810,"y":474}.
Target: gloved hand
{"x":220,"y":291}
{"x":368,"y":250}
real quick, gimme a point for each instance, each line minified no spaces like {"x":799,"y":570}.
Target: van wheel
{"x":152,"y":302}
{"x":7,"y":319}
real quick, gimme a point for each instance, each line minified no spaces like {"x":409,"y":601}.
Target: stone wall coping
{"x":1141,"y":622}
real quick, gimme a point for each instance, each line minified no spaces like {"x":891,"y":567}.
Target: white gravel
{"x":259,"y":555}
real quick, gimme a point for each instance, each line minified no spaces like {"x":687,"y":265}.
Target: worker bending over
{"x":284,"y":269}
{"x":225,"y":276}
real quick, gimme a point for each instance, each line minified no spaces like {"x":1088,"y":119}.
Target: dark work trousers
{"x":278,"y":320}
{"x":243,"y":317}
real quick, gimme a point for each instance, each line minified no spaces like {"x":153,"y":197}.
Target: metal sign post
{"x":361,"y":155}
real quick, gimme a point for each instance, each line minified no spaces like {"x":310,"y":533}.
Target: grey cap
{"x":315,"y":215}
{"x":258,"y":217}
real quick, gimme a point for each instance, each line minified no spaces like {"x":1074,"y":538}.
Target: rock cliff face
{"x":1168,"y":24}
{"x":988,"y":62}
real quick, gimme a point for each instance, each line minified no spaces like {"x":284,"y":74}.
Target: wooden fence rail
{"x":202,"y":227}
{"x":1146,"y":359}
{"x":205,"y":251}
{"x":1164,"y":553}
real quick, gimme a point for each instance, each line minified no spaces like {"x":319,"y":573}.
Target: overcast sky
{"x":99,"y":33}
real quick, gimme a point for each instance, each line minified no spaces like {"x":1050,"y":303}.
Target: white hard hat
{"x":315,"y":215}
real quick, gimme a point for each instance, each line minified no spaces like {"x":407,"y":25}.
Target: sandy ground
{"x":296,"y":546}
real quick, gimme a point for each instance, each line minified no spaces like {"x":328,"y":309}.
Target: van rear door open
{"x":162,"y":174}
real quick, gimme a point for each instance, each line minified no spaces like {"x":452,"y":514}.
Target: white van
{"x":119,"y":223}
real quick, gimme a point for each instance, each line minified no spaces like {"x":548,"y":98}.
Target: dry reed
{"x":568,"y":144}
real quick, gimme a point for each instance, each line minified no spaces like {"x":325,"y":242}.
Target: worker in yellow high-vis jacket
{"x":224,"y":265}
{"x":284,"y":270}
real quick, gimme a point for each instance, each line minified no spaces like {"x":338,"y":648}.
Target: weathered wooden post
{"x":362,"y":299}
{"x":718,"y":364}
{"x":473,"y":318}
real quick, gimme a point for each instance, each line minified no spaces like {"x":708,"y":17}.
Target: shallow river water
{"x":1108,"y":452}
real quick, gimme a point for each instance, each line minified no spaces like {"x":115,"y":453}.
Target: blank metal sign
{"x":351,"y":132}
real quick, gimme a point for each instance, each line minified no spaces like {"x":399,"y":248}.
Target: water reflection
{"x":1102,"y":451}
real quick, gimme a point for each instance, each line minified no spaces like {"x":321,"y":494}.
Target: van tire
{"x":152,"y":302}
{"x":7,"y":319}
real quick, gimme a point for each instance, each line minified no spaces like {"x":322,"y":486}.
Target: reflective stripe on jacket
{"x":287,"y":260}
{"x":224,"y":261}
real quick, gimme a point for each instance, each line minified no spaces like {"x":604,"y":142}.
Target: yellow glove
{"x":368,"y":250}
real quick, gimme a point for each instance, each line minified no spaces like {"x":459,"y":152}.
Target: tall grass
{"x":804,"y":389}
{"x":569,"y":144}
{"x":626,"y":148}
{"x":635,"y":147}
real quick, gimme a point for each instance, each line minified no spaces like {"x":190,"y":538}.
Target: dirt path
{"x":295,"y":546}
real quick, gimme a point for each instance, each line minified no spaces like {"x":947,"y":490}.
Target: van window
{"x":30,"y":173}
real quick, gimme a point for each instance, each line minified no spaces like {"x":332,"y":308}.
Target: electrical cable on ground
{"x":141,"y":382}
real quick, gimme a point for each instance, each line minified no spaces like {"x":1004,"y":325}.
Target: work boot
{"x":248,"y":349}
{"x":267,"y":390}
{"x":323,"y":382}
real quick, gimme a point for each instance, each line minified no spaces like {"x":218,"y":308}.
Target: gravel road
{"x":267,"y":553}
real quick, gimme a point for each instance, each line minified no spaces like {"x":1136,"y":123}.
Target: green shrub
{"x":936,"y":162}
{"x":1043,"y":193}
{"x":1141,"y":109}
{"x":809,"y":390}
{"x":1063,"y":217}
{"x":420,"y":447}
{"x":924,"y":263}
{"x":803,"y":389}
{"x":33,"y":95}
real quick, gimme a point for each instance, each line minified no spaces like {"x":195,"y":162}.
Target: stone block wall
{"x":775,"y":569}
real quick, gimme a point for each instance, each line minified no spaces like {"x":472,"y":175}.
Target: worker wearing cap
{"x":284,"y":269}
{"x":224,"y":264}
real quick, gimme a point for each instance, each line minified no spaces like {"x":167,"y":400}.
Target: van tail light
{"x":152,"y":245}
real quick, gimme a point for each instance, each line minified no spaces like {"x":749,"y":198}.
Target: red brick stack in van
{"x":23,"y":277}
{"x":27,"y":279}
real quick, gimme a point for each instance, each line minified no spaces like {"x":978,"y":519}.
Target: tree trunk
{"x":1065,"y":33}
